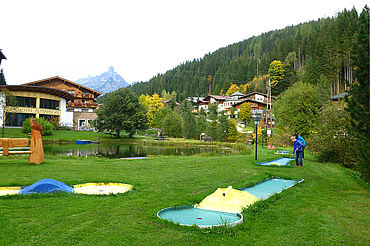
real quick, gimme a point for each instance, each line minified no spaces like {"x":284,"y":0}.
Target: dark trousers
{"x":303,"y":151}
{"x":298,"y":155}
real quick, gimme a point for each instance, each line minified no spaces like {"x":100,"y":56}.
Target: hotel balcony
{"x":82,"y":105}
{"x":83,"y":95}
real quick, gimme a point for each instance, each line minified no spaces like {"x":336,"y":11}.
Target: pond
{"x":123,"y":150}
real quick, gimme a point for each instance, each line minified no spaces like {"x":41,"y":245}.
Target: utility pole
{"x":268,"y":111}
{"x":270,"y":107}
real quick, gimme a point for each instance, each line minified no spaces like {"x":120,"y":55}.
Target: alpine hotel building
{"x":72,"y":104}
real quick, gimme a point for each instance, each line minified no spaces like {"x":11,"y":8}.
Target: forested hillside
{"x":307,"y":50}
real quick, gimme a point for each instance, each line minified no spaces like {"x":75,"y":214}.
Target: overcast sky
{"x":139,"y":38}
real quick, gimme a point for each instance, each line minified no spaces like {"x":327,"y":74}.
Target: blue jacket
{"x":297,"y":145}
{"x":302,"y":141}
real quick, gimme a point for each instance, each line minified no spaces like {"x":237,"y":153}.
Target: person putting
{"x":301,"y":139}
{"x":298,"y":150}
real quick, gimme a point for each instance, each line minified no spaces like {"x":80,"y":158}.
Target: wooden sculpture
{"x":36,"y":148}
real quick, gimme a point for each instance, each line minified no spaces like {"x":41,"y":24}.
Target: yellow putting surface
{"x":274,"y":163}
{"x":227,"y":200}
{"x":101,"y":188}
{"x":9,"y":190}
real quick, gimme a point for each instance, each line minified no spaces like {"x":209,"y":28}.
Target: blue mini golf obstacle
{"x":82,"y":142}
{"x":52,"y":186}
{"x":214,"y":209}
{"x":46,"y":186}
{"x":279,"y":162}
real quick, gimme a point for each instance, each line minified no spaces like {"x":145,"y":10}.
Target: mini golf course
{"x":223,"y":207}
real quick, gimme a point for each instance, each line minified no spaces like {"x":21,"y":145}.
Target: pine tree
{"x":358,"y":99}
{"x":2,"y":78}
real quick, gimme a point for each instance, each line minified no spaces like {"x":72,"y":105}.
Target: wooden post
{"x":5,"y":147}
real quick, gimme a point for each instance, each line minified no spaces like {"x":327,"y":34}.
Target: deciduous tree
{"x":245,"y":112}
{"x":172,"y":124}
{"x":154,"y":105}
{"x":121,"y":111}
{"x":276,"y":72}
{"x":232,"y":89}
{"x":297,"y":108}
{"x":232,"y":131}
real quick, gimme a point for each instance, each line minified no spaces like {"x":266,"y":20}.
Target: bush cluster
{"x":46,"y":125}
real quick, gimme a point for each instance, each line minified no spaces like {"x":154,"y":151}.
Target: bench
{"x":7,"y":143}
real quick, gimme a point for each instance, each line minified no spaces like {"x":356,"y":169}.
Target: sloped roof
{"x":217,"y":97}
{"x":256,"y":92}
{"x":2,"y":56}
{"x":249,"y":100}
{"x":34,"y":88}
{"x":237,"y":93}
{"x":339,"y":96}
{"x":97,"y":93}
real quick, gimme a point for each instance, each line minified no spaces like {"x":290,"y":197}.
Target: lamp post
{"x":256,"y":122}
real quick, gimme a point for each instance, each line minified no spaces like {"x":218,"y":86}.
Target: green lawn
{"x":330,"y":207}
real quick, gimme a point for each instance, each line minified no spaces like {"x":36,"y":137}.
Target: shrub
{"x":297,"y":108}
{"x":46,"y":125}
{"x":172,"y":124}
{"x":281,"y":137}
{"x":232,"y":132}
{"x":331,"y":141}
{"x":189,"y":130}
{"x":201,"y":125}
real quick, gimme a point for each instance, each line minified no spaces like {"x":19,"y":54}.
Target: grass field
{"x":330,"y":207}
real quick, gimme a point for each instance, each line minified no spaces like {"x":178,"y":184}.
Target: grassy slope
{"x":330,"y":207}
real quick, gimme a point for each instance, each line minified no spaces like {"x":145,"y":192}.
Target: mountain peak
{"x":105,"y":82}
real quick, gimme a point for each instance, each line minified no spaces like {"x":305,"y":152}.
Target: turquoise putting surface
{"x":195,"y":216}
{"x":188,"y":215}
{"x":279,"y":162}
{"x":269,"y":187}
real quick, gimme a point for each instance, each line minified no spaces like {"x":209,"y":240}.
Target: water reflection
{"x":112,"y":150}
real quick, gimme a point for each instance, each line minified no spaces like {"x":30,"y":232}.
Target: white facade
{"x":259,"y":98}
{"x":212,"y":100}
{"x":229,"y":103}
{"x":204,"y":107}
{"x":66,"y":118}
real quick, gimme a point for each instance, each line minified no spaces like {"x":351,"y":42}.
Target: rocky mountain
{"x":105,"y":82}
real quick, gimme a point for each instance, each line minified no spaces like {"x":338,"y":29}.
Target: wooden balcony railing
{"x":83,"y":95}
{"x":82,"y":105}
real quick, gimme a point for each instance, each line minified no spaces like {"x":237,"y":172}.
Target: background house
{"x":212,"y":99}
